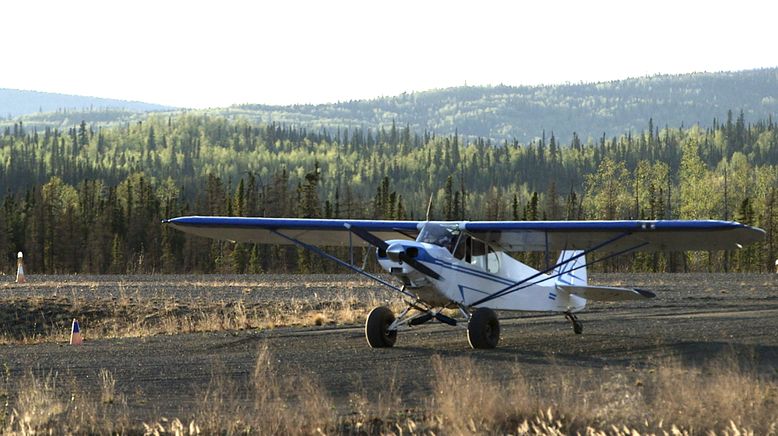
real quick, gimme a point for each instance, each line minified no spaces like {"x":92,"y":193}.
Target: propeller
{"x":398,"y":254}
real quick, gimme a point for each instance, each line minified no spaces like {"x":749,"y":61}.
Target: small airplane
{"x":465,"y":265}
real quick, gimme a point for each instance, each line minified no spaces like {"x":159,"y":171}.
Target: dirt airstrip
{"x":695,"y":318}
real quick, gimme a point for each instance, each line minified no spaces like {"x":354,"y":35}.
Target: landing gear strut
{"x":381,"y":327}
{"x":577,"y":325}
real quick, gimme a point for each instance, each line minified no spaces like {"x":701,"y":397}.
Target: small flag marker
{"x":75,"y":334}
{"x":20,"y":269}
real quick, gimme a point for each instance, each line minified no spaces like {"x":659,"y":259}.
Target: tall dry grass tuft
{"x":467,"y":399}
{"x":309,"y":410}
{"x":719,"y":395}
{"x":43,"y":406}
{"x":270,"y":405}
{"x":107,"y":386}
{"x":37,"y":404}
{"x":464,"y":399}
{"x":220,"y":410}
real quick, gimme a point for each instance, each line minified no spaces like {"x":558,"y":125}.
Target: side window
{"x":463,"y":247}
{"x":478,"y":253}
{"x":484,"y":256}
{"x":492,"y":262}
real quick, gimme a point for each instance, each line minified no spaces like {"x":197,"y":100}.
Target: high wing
{"x":318,"y":232}
{"x":670,"y":235}
{"x":612,"y":236}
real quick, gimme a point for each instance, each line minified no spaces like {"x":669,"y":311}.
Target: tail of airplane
{"x":572,"y":273}
{"x":573,"y":280}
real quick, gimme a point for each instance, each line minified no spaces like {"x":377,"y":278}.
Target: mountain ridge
{"x":19,"y":102}
{"x":505,"y":112}
{"x":523,"y":112}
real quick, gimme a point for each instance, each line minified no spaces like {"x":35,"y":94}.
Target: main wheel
{"x":377,"y":328}
{"x":483,"y":330}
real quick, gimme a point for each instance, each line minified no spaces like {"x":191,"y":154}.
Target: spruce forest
{"x":90,"y":199}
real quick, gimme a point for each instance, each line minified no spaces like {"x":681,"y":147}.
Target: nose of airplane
{"x":395,"y":251}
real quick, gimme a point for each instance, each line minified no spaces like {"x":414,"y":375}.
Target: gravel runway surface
{"x":695,"y":318}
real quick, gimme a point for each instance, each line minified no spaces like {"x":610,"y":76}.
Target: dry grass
{"x":107,"y":386}
{"x":668,"y":398}
{"x":717,"y":395}
{"x":269,"y":405}
{"x":43,"y":406}
{"x":37,"y":319}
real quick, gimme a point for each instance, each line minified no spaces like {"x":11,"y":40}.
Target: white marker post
{"x":20,"y":268}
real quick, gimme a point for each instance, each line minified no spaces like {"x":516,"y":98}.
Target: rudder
{"x":573,"y":272}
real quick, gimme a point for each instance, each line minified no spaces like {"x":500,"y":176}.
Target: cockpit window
{"x":443,"y":235}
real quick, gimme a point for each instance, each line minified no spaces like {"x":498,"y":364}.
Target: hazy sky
{"x":217,"y":53}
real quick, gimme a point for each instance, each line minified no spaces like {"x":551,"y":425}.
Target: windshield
{"x":443,"y":235}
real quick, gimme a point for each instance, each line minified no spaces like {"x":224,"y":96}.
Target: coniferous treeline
{"x":91,"y":199}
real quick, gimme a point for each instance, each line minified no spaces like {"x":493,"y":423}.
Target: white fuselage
{"x":466,"y":280}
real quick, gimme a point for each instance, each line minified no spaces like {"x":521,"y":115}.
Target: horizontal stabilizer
{"x":607,"y":293}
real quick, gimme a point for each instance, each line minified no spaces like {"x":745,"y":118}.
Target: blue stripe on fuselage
{"x":426,"y":257}
{"x":463,"y":287}
{"x":475,"y":273}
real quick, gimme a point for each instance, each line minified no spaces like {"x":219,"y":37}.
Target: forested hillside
{"x":14,"y":102}
{"x":523,"y":113}
{"x":90,"y":199}
{"x":501,"y":112}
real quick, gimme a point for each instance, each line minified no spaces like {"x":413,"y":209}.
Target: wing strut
{"x":518,"y":285}
{"x":618,"y":253}
{"x":342,"y":263}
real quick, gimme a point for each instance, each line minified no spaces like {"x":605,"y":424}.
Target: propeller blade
{"x":420,"y":267}
{"x":370,"y":238}
{"x":382,"y":245}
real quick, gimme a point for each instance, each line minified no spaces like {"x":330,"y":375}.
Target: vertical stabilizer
{"x":573,"y":272}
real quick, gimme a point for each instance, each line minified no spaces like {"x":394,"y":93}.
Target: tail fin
{"x":572,"y":272}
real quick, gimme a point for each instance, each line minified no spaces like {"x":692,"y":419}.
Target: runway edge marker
{"x":75,"y":334}
{"x":20,"y":269}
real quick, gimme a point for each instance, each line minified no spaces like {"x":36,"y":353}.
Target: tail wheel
{"x":577,"y":327}
{"x":483,"y":330}
{"x":377,"y":328}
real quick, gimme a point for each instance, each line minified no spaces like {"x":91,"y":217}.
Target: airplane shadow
{"x":636,"y":353}
{"x":761,"y":358}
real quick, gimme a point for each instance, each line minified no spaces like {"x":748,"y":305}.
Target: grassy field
{"x":541,"y":382}
{"x":720,"y":397}
{"x":112,"y":307}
